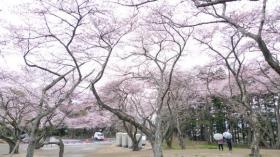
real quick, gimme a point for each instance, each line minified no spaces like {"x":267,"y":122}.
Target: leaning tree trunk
{"x":12,"y":144}
{"x":156,"y":143}
{"x":255,"y":149}
{"x":13,"y":148}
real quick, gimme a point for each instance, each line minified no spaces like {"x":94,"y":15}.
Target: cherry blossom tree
{"x":18,"y":109}
{"x":183,"y":92}
{"x":257,"y":31}
{"x":83,"y":113}
{"x":234,"y":61}
{"x":128,"y":96}
{"x":264,"y":80}
{"x":153,"y":50}
{"x":57,"y":47}
{"x":74,"y":42}
{"x":15,"y":111}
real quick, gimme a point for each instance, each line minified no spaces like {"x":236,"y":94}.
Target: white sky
{"x":14,"y":61}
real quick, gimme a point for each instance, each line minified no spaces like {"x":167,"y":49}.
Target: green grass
{"x":199,"y":145}
{"x":207,"y":146}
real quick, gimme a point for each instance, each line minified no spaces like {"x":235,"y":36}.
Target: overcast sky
{"x":14,"y":61}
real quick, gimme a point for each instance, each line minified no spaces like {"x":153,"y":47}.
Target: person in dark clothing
{"x":228,"y":137}
{"x":229,"y":143}
{"x":221,"y":144}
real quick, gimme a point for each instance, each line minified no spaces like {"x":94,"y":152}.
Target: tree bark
{"x":12,"y":144}
{"x":61,"y":148}
{"x":278,"y":133}
{"x":135,"y":142}
{"x":268,"y":56}
{"x":32,"y":139}
{"x":255,"y":149}
{"x":135,"y":146}
{"x":31,"y":146}
{"x":60,"y":145}
{"x":156,"y":144}
{"x":277,"y":114}
{"x":180,"y":135}
{"x":13,"y":148}
{"x":132,"y":131}
{"x":168,"y":135}
{"x":169,"y":141}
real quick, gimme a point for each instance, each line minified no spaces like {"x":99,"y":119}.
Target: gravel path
{"x":71,"y":150}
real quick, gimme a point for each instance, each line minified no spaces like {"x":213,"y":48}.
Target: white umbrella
{"x":227,"y":135}
{"x":218,"y":136}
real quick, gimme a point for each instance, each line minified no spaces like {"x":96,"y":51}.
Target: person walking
{"x":220,"y":139}
{"x":229,"y":144}
{"x":227,"y":135}
{"x":221,"y":144}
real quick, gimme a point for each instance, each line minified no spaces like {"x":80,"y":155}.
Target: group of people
{"x":226,"y":137}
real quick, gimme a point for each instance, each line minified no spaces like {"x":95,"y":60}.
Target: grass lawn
{"x":194,"y":149}
{"x":199,"y":145}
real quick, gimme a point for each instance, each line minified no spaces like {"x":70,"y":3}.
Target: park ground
{"x":111,"y":150}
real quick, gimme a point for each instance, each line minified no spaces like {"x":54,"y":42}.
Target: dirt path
{"x":79,"y":150}
{"x":113,"y":151}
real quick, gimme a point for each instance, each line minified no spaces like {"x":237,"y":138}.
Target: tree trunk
{"x":60,"y":145}
{"x":255,"y":149}
{"x":31,"y":146}
{"x":243,"y":131}
{"x":168,"y":135}
{"x":180,"y":135}
{"x":40,"y":141}
{"x":61,"y":148}
{"x":13,"y":148}
{"x":278,"y":133}
{"x":157,"y":150}
{"x":169,"y":141}
{"x":249,"y":136}
{"x":135,"y":146}
{"x":132,"y":131}
{"x":156,"y":144}
{"x":32,"y":139}
{"x":135,"y":142}
{"x":210,"y":135}
{"x":277,"y":114}
{"x":12,"y":144}
{"x":182,"y":141}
